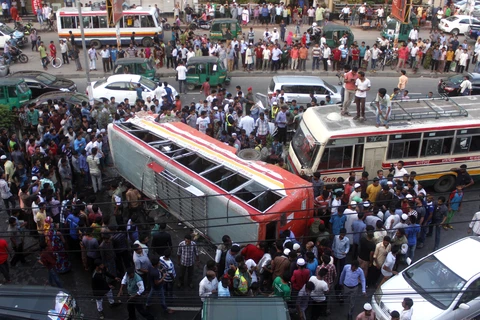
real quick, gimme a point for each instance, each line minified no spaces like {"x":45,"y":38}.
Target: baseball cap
{"x":404,"y":216}
{"x":357,"y":185}
{"x":301,"y":262}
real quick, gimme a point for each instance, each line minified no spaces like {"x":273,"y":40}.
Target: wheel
{"x":455,"y":32}
{"x":23,"y":58}
{"x":190,"y":86}
{"x":393,"y":64}
{"x":57,"y":63}
{"x":167,"y":26}
{"x":147,"y":42}
{"x":96,"y":43}
{"x":193,"y":26}
{"x":444,"y":184}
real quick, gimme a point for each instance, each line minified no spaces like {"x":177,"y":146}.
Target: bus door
{"x":374,"y":154}
{"x":271,"y":232}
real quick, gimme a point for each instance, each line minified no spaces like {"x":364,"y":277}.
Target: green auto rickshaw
{"x":333,"y":33}
{"x":201,"y":68}
{"x":141,"y":66}
{"x":14,"y":92}
{"x":390,"y":29}
{"x":220,"y":27}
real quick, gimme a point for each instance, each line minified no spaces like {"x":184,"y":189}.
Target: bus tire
{"x":193,"y":26}
{"x":190,"y":86}
{"x":444,"y":184}
{"x":147,"y":42}
{"x":96,"y":43}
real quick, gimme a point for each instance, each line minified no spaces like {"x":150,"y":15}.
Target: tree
{"x":6,"y":117}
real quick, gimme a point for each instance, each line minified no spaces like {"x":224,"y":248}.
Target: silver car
{"x":445,"y":285}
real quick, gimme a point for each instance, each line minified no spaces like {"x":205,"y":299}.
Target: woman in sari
{"x":289,"y":38}
{"x":245,"y":16}
{"x":56,"y":242}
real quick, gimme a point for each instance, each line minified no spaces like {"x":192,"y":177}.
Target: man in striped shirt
{"x":169,"y":269}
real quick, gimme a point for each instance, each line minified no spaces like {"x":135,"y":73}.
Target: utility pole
{"x":85,"y":54}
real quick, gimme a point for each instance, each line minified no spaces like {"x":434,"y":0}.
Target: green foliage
{"x":6,"y":117}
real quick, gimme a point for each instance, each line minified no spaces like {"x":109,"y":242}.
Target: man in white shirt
{"x":63,"y":50}
{"x":276,"y":54}
{"x":362,"y":85}
{"x":318,"y":294}
{"x":465,"y":87}
{"x":135,"y":287}
{"x":275,"y":35}
{"x":400,"y":171}
{"x":413,"y":35}
{"x":208,"y":285}
{"x":247,"y":123}
{"x":182,"y":77}
{"x":266,"y":58}
{"x":474,"y":226}
{"x":407,"y":311}
{"x":267,"y":35}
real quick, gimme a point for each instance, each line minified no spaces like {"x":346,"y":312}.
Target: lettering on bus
{"x":447,"y":160}
{"x":474,"y":158}
{"x":329,"y":179}
{"x":422,"y":162}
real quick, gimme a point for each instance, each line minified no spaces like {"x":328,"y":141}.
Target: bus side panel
{"x":228,"y":218}
{"x":131,"y":162}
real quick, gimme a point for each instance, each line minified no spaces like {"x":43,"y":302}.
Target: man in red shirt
{"x":403,"y":54}
{"x":4,"y":250}
{"x":254,"y":252}
{"x":349,"y":83}
{"x":355,"y":56}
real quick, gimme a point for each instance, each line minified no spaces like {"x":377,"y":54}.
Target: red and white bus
{"x":203,"y":183}
{"x":431,"y":136}
{"x":98,"y":31}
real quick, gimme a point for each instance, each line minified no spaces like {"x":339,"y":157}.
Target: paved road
{"x":34,"y":63}
{"x":418,"y":86}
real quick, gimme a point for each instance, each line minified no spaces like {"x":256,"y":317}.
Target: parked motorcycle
{"x":25,"y":28}
{"x":200,"y":24}
{"x":16,"y":55}
{"x":165,"y":25}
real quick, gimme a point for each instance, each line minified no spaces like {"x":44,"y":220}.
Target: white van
{"x":445,"y":285}
{"x":299,"y":88}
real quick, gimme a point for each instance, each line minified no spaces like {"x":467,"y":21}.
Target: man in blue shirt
{"x":358,"y":227}
{"x":350,"y":278}
{"x":412,"y":231}
{"x":337,"y":222}
{"x":79,"y":144}
{"x":85,"y":111}
{"x":139,"y":91}
{"x":340,"y":248}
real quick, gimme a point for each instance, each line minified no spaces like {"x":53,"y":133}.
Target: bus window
{"x":147,"y":21}
{"x":475,"y":144}
{"x":2,"y":93}
{"x":103,"y":21}
{"x":95,"y":23}
{"x":129,"y":21}
{"x":358,"y":158}
{"x":249,"y":191}
{"x":336,"y":158}
{"x":265,"y":200}
{"x":462,"y":144}
{"x":68,"y":22}
{"x":437,"y":143}
{"x":404,"y":146}
{"x":87,"y":22}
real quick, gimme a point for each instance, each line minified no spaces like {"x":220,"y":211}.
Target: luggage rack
{"x":417,"y":109}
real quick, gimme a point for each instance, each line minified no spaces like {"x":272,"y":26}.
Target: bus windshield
{"x":304,"y":146}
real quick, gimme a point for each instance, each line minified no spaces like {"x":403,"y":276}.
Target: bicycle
{"x":55,"y":62}
{"x":49,"y":25}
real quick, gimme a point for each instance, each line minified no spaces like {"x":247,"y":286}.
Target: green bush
{"x":6,"y":117}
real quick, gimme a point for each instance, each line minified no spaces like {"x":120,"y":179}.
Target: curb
{"x":239,"y":74}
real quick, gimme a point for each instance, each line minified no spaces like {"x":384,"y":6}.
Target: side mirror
{"x":464,"y":306}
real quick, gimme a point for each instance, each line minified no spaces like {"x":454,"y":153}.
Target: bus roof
{"x":271,"y":176}
{"x":87,"y":11}
{"x":408,"y":116}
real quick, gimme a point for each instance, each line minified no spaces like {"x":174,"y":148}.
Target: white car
{"x":457,"y":24}
{"x":444,"y":285}
{"x":123,"y":86}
